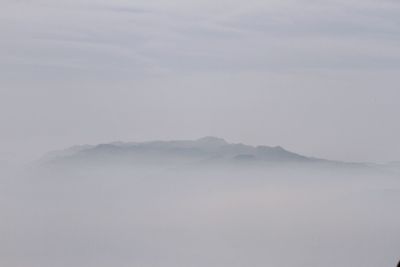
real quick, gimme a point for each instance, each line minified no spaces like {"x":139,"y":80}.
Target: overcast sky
{"x":317,"y":77}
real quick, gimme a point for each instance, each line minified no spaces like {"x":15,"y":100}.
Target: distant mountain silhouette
{"x":206,"y":149}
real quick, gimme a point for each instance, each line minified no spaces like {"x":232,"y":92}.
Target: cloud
{"x":288,"y":36}
{"x":94,"y":51}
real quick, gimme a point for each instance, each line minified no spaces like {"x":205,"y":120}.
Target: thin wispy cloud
{"x":320,"y":36}
{"x":165,"y":45}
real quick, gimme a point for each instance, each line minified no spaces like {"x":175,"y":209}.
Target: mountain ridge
{"x":207,"y":148}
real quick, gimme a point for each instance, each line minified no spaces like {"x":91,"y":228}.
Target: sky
{"x":317,"y":77}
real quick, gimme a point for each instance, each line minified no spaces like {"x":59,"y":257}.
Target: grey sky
{"x":317,"y":77}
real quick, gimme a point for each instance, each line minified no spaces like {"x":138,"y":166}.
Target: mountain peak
{"x":212,"y":140}
{"x":205,"y":149}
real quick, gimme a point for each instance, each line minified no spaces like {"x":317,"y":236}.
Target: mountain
{"x":206,"y":150}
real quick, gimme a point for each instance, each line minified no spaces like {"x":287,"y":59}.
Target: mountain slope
{"x":207,"y":149}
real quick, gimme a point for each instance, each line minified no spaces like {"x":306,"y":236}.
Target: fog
{"x":318,"y":77}
{"x":199,"y":216}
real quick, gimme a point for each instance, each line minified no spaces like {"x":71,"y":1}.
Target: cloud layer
{"x":161,"y":63}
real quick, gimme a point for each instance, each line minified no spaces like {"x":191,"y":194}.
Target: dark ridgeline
{"x":207,"y":151}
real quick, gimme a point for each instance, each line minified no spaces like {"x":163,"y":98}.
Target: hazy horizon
{"x":304,"y":91}
{"x":316,"y":77}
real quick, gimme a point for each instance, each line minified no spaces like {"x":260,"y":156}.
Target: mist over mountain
{"x":209,"y":149}
{"x":204,"y":202}
{"x":309,"y":87}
